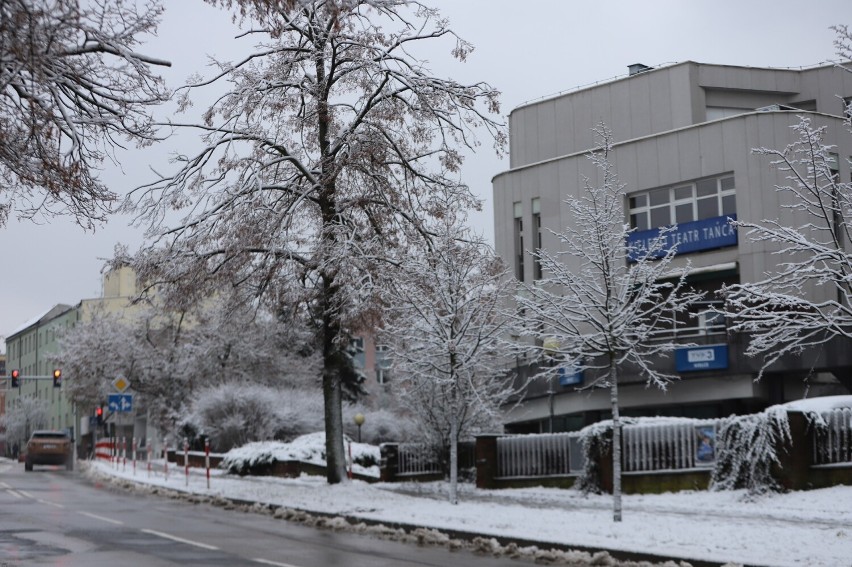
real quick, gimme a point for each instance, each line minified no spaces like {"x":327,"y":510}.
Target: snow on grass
{"x":797,"y":528}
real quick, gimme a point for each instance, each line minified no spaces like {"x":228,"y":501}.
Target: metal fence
{"x":669,"y":446}
{"x":834,"y":445}
{"x":548,"y":454}
{"x":416,"y":459}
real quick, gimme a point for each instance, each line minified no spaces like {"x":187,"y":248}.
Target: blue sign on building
{"x":695,"y":359}
{"x":704,"y":234}
{"x":570,"y":376}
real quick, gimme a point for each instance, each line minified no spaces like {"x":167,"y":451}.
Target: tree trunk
{"x":616,"y":442}
{"x":454,"y":459}
{"x":334,"y":452}
{"x":332,"y":389}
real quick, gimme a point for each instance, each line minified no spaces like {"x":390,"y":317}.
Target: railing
{"x":556,"y":454}
{"x":835,"y":444}
{"x":417,"y":459}
{"x":669,"y":446}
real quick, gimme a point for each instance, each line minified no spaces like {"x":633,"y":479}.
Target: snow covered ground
{"x":811,"y":528}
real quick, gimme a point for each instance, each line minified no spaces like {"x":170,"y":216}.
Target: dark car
{"x":49,"y":448}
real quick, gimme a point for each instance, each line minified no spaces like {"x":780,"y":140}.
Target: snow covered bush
{"x":232,"y":415}
{"x":381,"y":425}
{"x":258,"y":457}
{"x":748,"y":448}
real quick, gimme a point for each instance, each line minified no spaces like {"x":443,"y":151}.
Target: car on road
{"x":48,"y":447}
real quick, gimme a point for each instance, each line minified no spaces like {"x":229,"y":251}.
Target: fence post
{"x":486,"y":460}
{"x":389,"y":464}
{"x":795,"y":458}
{"x":133,"y":455}
{"x":166,"y":461}
{"x":207,"y":460}
{"x":150,"y":449}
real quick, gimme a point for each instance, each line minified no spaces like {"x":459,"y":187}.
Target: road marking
{"x":4,"y":485}
{"x":14,"y":493}
{"x":275,"y":563}
{"x":102,"y":518}
{"x":181,"y":540}
{"x":49,"y":503}
{"x":27,"y":494}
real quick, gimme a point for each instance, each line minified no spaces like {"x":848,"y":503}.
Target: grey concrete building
{"x":683,"y":136}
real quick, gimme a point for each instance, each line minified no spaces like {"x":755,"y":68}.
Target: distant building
{"x":29,"y":350}
{"x":32,"y":347}
{"x":683,"y":139}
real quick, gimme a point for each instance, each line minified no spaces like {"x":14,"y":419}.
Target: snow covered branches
{"x":806,"y":300}
{"x":170,"y":359}
{"x":323,"y":156}
{"x":605,"y":304}
{"x":72,"y":90}
{"x":447,"y":332}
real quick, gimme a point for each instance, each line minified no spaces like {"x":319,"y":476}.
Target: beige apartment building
{"x":684,"y":135}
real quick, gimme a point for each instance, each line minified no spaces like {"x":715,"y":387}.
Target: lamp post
{"x":551,"y":350}
{"x":359,"y":421}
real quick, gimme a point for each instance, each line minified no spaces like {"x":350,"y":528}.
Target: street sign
{"x":120,"y":402}
{"x":121,"y":384}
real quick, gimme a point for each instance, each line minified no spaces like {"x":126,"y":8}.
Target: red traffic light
{"x":57,"y":378}
{"x":99,"y":411}
{"x":16,"y":376}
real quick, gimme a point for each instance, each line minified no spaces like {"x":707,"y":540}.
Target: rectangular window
{"x":703,"y":199}
{"x":536,"y":210}
{"x":519,"y":241}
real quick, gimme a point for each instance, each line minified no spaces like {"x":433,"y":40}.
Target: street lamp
{"x":359,"y":421}
{"x":551,"y":351}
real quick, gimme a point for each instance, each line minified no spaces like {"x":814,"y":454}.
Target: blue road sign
{"x":120,"y":402}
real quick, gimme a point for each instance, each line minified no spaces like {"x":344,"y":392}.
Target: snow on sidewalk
{"x":811,"y":528}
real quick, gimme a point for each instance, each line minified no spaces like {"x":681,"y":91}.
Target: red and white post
{"x":124,"y":453}
{"x":150,"y":454}
{"x":166,"y":459}
{"x":133,"y":456}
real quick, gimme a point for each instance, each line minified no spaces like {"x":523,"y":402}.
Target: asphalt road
{"x":54,"y":517}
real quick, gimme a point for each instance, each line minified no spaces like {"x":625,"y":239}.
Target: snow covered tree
{"x":807,"y":300}
{"x":169,"y":360}
{"x":603,"y":303}
{"x":23,"y":417}
{"x":446,"y":332}
{"x":72,"y":91}
{"x":331,"y":138}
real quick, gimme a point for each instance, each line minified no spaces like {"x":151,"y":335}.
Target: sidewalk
{"x":811,"y":528}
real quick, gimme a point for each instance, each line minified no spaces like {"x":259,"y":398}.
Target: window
{"x":536,"y":210}
{"x":847,"y":106}
{"x":382,"y":375}
{"x":518,"y":211}
{"x":704,"y":199}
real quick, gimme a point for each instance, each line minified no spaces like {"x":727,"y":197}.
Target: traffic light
{"x":99,"y":413}
{"x":57,"y":378}
{"x":16,"y":378}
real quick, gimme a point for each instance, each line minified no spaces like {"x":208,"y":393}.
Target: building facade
{"x":30,"y":350}
{"x":683,"y":139}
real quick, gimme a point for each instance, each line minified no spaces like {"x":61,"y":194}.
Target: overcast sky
{"x":526,"y":49}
